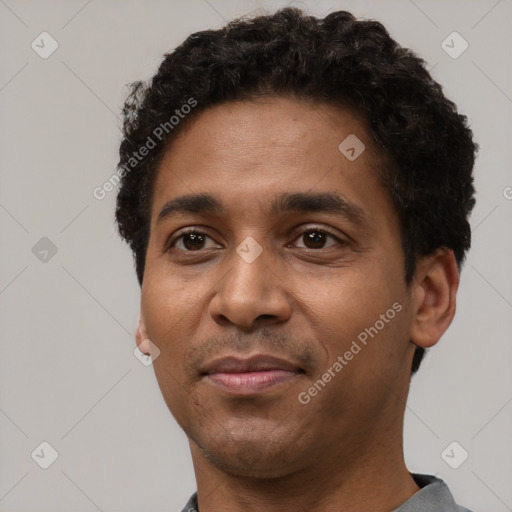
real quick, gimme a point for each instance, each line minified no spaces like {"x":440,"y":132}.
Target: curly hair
{"x":426,"y":145}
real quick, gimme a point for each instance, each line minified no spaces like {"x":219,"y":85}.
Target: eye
{"x":190,"y":241}
{"x":315,"y":238}
{"x":193,"y":240}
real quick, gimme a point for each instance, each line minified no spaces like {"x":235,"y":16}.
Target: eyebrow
{"x":298,"y":202}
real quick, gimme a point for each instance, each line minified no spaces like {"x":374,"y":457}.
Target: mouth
{"x":252,"y":376}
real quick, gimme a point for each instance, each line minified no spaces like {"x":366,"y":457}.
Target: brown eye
{"x":190,"y":241}
{"x":314,"y":238}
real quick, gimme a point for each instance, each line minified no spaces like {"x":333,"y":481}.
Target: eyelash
{"x":316,"y":229}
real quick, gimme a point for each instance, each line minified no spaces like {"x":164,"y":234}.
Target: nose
{"x":251,"y":294}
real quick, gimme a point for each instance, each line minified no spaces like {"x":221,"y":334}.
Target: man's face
{"x":274,"y":271}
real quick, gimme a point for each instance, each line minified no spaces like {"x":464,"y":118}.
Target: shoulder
{"x":433,"y":496}
{"x":191,"y":505}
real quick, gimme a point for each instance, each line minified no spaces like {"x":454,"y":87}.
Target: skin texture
{"x":301,"y":301}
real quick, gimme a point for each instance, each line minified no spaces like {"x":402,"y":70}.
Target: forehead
{"x":247,"y":152}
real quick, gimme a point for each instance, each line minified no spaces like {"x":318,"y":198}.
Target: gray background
{"x":68,"y":375}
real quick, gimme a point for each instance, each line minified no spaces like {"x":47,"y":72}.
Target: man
{"x":296,"y":192}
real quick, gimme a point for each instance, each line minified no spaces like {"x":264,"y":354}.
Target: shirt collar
{"x":433,"y":496}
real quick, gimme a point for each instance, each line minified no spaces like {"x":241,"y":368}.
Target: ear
{"x":435,"y":285}
{"x":141,"y":335}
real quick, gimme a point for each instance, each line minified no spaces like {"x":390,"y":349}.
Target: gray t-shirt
{"x":433,"y":496}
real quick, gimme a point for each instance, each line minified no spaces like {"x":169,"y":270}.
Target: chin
{"x":252,"y":464}
{"x":253,"y":456}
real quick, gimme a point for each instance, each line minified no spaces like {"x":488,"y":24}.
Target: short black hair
{"x":427,"y":146}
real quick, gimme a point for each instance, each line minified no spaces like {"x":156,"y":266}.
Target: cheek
{"x":173,"y":310}
{"x":361,"y":313}
{"x":365,"y":341}
{"x":166,"y":312}
{"x":167,"y":304}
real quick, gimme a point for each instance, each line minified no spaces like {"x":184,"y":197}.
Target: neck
{"x":360,"y":475}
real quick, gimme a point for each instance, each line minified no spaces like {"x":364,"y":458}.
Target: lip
{"x":250,"y":376}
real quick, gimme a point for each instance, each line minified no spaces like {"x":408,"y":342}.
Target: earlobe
{"x":141,"y":335}
{"x":435,"y":287}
